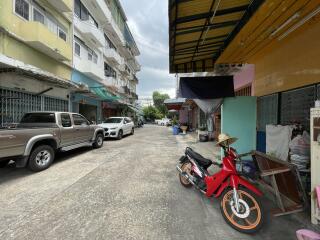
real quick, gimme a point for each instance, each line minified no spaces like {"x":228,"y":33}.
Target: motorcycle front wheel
{"x":249,"y":218}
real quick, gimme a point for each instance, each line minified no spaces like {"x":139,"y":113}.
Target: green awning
{"x":102,"y":93}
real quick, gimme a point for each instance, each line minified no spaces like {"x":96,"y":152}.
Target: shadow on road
{"x":10,"y":172}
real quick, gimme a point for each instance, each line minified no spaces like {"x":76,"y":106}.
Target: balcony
{"x":123,"y":68}
{"x":126,"y":90}
{"x":134,"y":96}
{"x":135,"y":79}
{"x":109,"y":81}
{"x":89,"y":68}
{"x":103,"y":13}
{"x":113,"y":56}
{"x":41,"y":38}
{"x":62,"y":5}
{"x":90,"y":31}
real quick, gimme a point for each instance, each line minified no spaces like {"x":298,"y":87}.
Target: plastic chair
{"x":305,"y":234}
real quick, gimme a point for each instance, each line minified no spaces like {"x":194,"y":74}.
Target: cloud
{"x":148,"y":22}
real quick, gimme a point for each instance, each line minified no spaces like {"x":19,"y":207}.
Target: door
{"x":128,"y":125}
{"x":239,"y":119}
{"x":83,"y":130}
{"x":68,"y":132}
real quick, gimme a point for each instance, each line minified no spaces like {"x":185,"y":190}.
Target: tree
{"x":152,"y":113}
{"x":158,"y":102}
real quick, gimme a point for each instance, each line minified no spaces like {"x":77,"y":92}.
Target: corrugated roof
{"x":200,"y":30}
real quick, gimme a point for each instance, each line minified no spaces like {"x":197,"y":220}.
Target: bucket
{"x":175,"y":130}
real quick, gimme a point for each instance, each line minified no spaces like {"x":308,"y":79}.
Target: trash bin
{"x":175,"y":130}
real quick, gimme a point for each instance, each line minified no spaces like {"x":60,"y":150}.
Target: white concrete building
{"x":104,"y":53}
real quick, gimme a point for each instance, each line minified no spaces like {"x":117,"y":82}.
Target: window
{"x":62,"y":34}
{"x":38,"y":118}
{"x":90,"y":52}
{"x":113,"y":120}
{"x":65,"y":120}
{"x":92,"y":56}
{"x":109,"y":43}
{"x":109,"y":72}
{"x":51,"y":24}
{"x":38,"y":16}
{"x":95,"y":58}
{"x":77,"y":49}
{"x":82,"y":12}
{"x":79,"y":120}
{"x":22,"y":8}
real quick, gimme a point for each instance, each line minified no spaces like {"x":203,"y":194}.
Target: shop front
{"x":89,"y":100}
{"x":23,"y":91}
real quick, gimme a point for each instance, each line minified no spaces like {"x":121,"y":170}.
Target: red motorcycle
{"x":240,"y":208}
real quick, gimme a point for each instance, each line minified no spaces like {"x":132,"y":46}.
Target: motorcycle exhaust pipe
{"x":189,"y":178}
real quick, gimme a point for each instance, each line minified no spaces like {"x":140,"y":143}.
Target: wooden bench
{"x":283,"y":180}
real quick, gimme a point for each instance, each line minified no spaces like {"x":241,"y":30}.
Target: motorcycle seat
{"x":204,"y":162}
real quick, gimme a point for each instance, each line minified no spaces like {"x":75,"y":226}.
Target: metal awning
{"x":11,"y":65}
{"x":200,"y":30}
{"x":209,"y":33}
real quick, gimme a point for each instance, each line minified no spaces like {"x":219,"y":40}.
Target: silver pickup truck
{"x":39,"y":135}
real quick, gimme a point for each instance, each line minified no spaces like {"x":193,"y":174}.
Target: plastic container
{"x":175,"y":130}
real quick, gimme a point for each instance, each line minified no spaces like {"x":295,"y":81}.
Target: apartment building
{"x":35,"y":56}
{"x":104,"y":59}
{"x":65,"y":55}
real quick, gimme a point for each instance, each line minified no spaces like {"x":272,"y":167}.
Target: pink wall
{"x":244,"y":77}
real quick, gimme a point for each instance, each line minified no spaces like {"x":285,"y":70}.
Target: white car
{"x":117,"y":127}
{"x":164,"y":121}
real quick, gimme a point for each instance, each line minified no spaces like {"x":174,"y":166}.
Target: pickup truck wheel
{"x":4,"y":163}
{"x":98,"y":143}
{"x":41,"y":158}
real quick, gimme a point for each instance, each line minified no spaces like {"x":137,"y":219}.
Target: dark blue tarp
{"x":206,"y":87}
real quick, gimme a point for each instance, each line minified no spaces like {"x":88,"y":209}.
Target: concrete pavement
{"x":129,"y":189}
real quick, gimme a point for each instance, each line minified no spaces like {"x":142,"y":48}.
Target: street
{"x":128,"y":189}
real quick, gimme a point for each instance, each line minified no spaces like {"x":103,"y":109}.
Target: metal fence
{"x":14,"y":104}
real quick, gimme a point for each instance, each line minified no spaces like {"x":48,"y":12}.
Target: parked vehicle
{"x":140,"y":123}
{"x":164,"y":122}
{"x":117,"y":127}
{"x":240,"y":205}
{"x":156,"y":121}
{"x":39,"y":135}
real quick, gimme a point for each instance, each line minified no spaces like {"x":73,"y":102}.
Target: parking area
{"x":128,"y":189}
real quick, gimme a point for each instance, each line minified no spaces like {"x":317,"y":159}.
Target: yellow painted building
{"x":290,"y":63}
{"x":38,"y":33}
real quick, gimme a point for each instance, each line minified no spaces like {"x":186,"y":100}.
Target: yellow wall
{"x":14,"y":47}
{"x":290,"y":63}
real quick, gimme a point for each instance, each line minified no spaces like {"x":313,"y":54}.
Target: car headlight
{"x":113,"y":128}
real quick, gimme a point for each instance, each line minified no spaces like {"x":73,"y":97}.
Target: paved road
{"x":127,"y":190}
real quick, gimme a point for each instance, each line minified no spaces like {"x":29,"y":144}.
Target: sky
{"x":148,"y":22}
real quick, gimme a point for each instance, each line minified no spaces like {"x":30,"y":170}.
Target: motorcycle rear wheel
{"x":250,"y":217}
{"x":186,"y":167}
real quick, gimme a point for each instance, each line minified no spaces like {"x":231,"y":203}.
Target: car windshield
{"x":113,"y":120}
